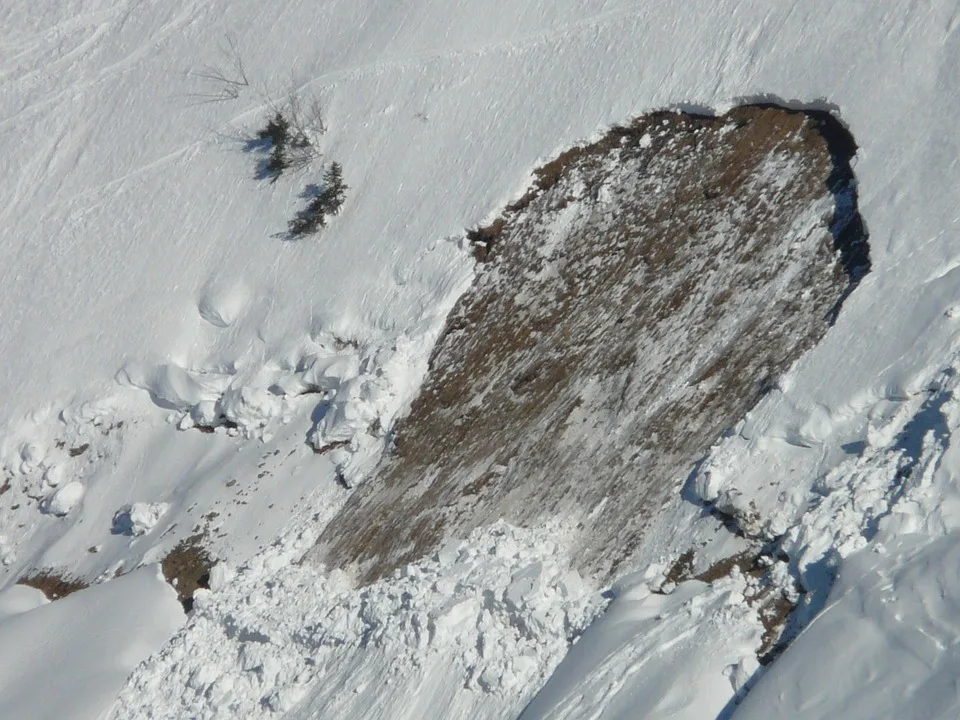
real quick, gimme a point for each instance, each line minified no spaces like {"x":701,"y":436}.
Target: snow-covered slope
{"x":886,"y":631}
{"x":68,"y":658}
{"x":143,"y":285}
{"x":686,"y":654}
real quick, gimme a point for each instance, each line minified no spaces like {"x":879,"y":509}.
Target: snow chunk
{"x":250,"y":408}
{"x":138,"y":519}
{"x":222,"y":305}
{"x":221,"y":575}
{"x":53,"y":475}
{"x":65,"y":499}
{"x":31,"y":454}
{"x":8,"y":552}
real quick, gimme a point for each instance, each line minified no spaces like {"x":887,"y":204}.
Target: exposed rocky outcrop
{"x":634,"y":304}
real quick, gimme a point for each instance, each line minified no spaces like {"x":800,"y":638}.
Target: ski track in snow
{"x":130,"y":219}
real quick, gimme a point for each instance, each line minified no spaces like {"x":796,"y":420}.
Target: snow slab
{"x":69,"y":658}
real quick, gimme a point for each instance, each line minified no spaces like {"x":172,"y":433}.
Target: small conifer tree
{"x":327,"y":202}
{"x":277,"y":132}
{"x":334,"y":190}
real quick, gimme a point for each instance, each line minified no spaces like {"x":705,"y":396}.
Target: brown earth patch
{"x":772,"y":605}
{"x":187,"y":568}
{"x":53,"y":584}
{"x":636,"y":302}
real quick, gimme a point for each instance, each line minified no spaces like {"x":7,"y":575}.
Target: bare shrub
{"x":226,"y":77}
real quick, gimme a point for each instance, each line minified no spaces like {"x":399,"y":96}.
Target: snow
{"x":138,"y":518}
{"x":657,"y":656}
{"x":888,"y":631}
{"x":65,"y":498}
{"x":483,"y":621}
{"x":71,"y":657}
{"x":142,"y":284}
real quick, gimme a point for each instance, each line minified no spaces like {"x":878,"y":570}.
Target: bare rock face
{"x":634,"y":304}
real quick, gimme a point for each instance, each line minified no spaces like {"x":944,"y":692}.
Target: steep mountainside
{"x":633,"y":305}
{"x":184,"y":386}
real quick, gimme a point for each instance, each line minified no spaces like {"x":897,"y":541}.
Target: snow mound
{"x":222,"y":304}
{"x":74,"y":654}
{"x":18,"y":599}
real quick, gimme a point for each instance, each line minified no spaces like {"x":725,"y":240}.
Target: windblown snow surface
{"x":145,"y":293}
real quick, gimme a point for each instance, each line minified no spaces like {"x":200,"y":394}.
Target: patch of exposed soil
{"x":682,"y":569}
{"x":187,"y":568}
{"x":53,"y":584}
{"x":634,"y":304}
